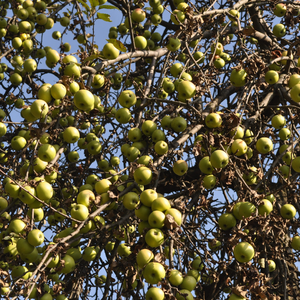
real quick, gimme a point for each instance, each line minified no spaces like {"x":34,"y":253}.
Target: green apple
{"x":175,"y":277}
{"x":84,"y":100}
{"x":143,"y":257}
{"x":238,"y":77}
{"x":264,"y":145}
{"x":148,"y":196}
{"x":239,"y":147}
{"x":131,"y":200}
{"x":279,"y":30}
{"x":68,"y":264}
{"x":243,"y":252}
{"x":246,"y":209}
{"x":35,"y":237}
{"x":71,"y":135}
{"x":295,"y":244}
{"x":179,"y":124}
{"x":213,"y":120}
{"x":278,"y":121}
{"x":189,"y":283}
{"x":227,"y":221}
{"x":209,"y":181}
{"x":142,"y":175}
{"x":219,"y":159}
{"x":109,"y":51}
{"x":154,"y":237}
{"x":180,"y":167}
{"x":265,"y":207}
{"x":271,"y":77}
{"x":79,"y":212}
{"x":46,"y":152}
{"x":186,"y":89}
{"x":279,"y":10}
{"x":288,"y":211}
{"x":205,"y":165}
{"x":24,"y":247}
{"x":154,"y":272}
{"x":155,"y":293}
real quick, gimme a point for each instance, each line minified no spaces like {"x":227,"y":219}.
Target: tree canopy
{"x":158,"y":161}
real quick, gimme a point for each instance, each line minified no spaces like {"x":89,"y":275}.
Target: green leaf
{"x":119,"y":45}
{"x":104,"y":17}
{"x":94,"y":3}
{"x":92,"y":57}
{"x":108,"y":7}
{"x":84,"y":4}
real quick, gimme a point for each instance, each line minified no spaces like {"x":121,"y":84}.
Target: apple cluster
{"x":159,"y":163}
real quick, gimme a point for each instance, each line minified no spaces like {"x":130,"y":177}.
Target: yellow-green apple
{"x":180,"y":167}
{"x":35,"y":237}
{"x":142,"y":175}
{"x":176,"y":214}
{"x":16,"y":226}
{"x":184,"y":295}
{"x":154,"y":237}
{"x":227,"y":221}
{"x":44,"y":191}
{"x":79,"y":212}
{"x":279,"y":10}
{"x":264,"y":145}
{"x":186,"y":89}
{"x":209,"y":181}
{"x":213,"y":120}
{"x":84,"y":100}
{"x":46,"y":152}
{"x":143,"y":257}
{"x":189,"y":283}
{"x":243,"y":252}
{"x":295,"y":244}
{"x":123,"y":115}
{"x":109,"y":51}
{"x":278,"y":121}
{"x":131,"y":200}
{"x":140,"y":42}
{"x":246,"y":209}
{"x":235,"y":13}
{"x":288,"y":211}
{"x":71,"y":135}
{"x":279,"y":30}
{"x":138,"y":15}
{"x":148,"y":127}
{"x":294,"y":79}
{"x":89,"y":253}
{"x":175,"y":277}
{"x":127,"y":98}
{"x":219,"y":159}
{"x":271,"y":77}
{"x":205,"y":165}
{"x":154,"y":272}
{"x":155,"y":293}
{"x":102,"y":186}
{"x":238,"y":77}
{"x":239,"y":147}
{"x":265,"y":207}
{"x":161,"y":204}
{"x":156,"y":219}
{"x":148,"y":196}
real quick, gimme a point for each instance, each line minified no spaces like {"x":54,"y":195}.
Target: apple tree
{"x":153,"y":159}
